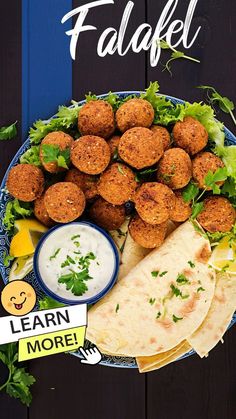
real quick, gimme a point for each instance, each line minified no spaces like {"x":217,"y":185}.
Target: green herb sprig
{"x":53,"y":154}
{"x":19,"y":380}
{"x":224,"y":103}
{"x":7,"y":133}
{"x":175,"y":55}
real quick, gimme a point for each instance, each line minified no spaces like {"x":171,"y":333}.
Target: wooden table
{"x":192,"y":388}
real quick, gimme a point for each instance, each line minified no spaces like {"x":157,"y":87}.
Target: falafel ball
{"x":117,"y":184}
{"x":106,"y":215}
{"x":154,"y":202}
{"x":202,"y":164}
{"x":190,"y":135}
{"x":87,"y":183}
{"x":113,"y":143}
{"x":41,"y":213}
{"x":64,"y":202}
{"x":56,"y":139}
{"x":217,"y":215}
{"x":175,"y":168}
{"x":96,"y":118}
{"x":90,"y":154}
{"x":25,"y":182}
{"x":163,"y":134}
{"x":181,"y":210}
{"x":140,"y":148}
{"x":134,"y":113}
{"x":147,"y":235}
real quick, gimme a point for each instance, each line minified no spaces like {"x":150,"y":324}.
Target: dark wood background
{"x":191,"y":388}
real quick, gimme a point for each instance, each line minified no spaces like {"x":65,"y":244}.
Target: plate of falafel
{"x":138,"y":165}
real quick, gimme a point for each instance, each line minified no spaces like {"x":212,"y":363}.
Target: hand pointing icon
{"x":92,"y":355}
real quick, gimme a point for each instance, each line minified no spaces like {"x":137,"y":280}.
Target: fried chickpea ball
{"x":217,"y":215}
{"x":134,"y":113}
{"x":202,"y":164}
{"x":117,"y":184}
{"x":41,"y":213}
{"x":140,"y":148}
{"x":190,"y":135}
{"x":147,"y":235}
{"x":154,"y":202}
{"x":64,"y":202}
{"x":107,"y":215}
{"x":181,"y":210}
{"x":25,"y":182}
{"x":91,"y":154}
{"x":175,"y":168}
{"x":87,"y":183}
{"x":96,"y":118}
{"x":163,"y":134}
{"x":57,"y":139}
{"x":113,"y":143}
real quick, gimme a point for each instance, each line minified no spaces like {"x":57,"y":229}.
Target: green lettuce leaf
{"x":31,"y":156}
{"x":14,"y":210}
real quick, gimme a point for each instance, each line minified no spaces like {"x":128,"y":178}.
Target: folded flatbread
{"x":219,"y":316}
{"x":160,"y":303}
{"x":155,"y":362}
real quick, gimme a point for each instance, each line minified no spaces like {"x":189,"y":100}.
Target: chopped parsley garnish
{"x":55,"y":254}
{"x":84,"y":261}
{"x":158,"y":315}
{"x":120,"y":169}
{"x":167,"y":177}
{"x":224,"y":268}
{"x":200,"y":289}
{"x":77,"y":253}
{"x":182,"y":279}
{"x":191,"y":264}
{"x":75,"y":236}
{"x":176,"y":291}
{"x":163,"y":273}
{"x":76,"y":281}
{"x":155,"y":274}
{"x":68,"y":262}
{"x":176,"y":319}
{"x":152,"y":301}
{"x":120,"y":233}
{"x":117,"y":307}
{"x":77,"y":244}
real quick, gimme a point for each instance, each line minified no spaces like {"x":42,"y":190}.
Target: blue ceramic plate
{"x":112,"y":361}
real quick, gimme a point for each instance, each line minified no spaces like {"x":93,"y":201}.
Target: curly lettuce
{"x":14,"y":210}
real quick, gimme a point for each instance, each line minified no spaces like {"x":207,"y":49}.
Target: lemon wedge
{"x":21,"y":267}
{"x":223,"y":257}
{"x":30,"y":224}
{"x":22,"y":244}
{"x":27,"y":237}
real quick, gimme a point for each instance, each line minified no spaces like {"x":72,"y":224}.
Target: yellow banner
{"x":51,"y":343}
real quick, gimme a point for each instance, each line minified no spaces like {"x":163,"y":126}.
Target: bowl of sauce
{"x":76,"y":263}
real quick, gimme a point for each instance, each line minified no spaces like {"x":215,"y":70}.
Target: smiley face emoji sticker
{"x":18,"y":298}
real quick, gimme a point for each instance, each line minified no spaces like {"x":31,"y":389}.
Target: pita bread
{"x":142,"y":315}
{"x":219,"y":316}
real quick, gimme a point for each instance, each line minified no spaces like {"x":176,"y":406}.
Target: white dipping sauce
{"x":50,"y":259}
